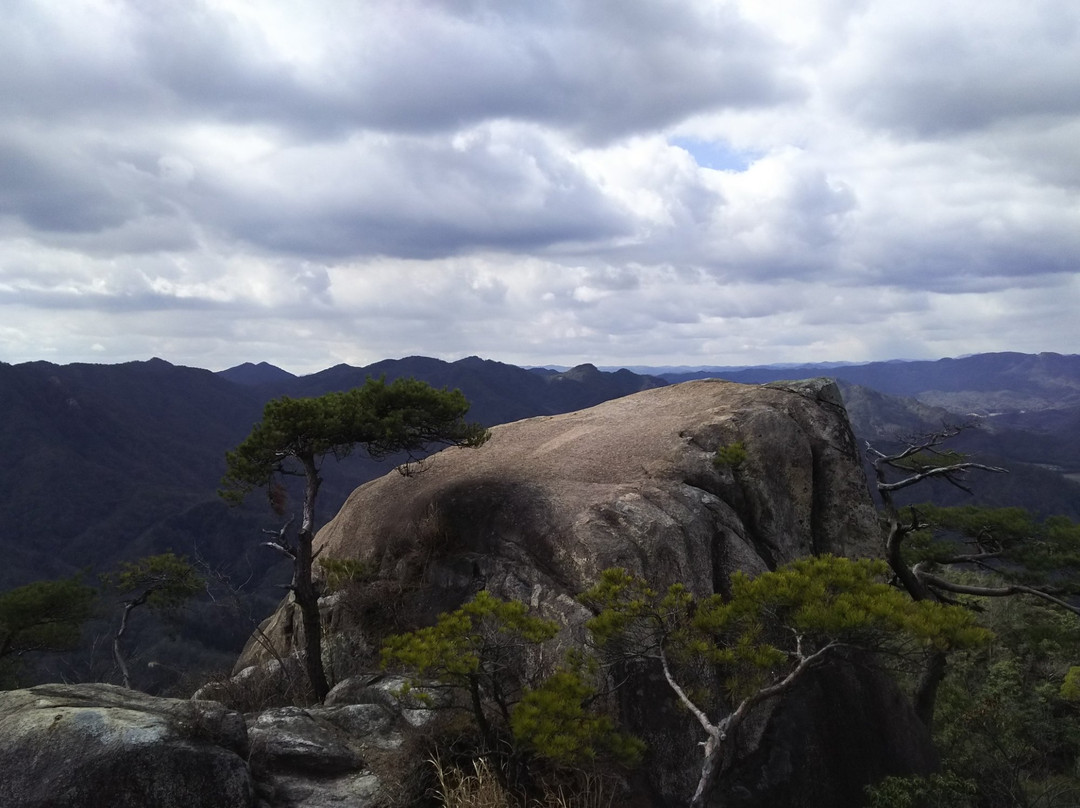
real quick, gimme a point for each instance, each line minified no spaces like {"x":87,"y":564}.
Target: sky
{"x":622,"y":182}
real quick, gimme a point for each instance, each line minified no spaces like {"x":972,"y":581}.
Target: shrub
{"x":730,"y":456}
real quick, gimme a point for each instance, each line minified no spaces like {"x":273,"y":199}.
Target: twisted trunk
{"x":118,"y":654}
{"x":303,"y":587}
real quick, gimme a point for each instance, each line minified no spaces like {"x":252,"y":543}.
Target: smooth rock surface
{"x":100,"y":746}
{"x":548,"y":503}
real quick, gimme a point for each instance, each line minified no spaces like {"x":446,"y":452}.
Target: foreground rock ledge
{"x":101,"y":746}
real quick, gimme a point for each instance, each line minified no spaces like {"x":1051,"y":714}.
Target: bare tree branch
{"x":938,"y":582}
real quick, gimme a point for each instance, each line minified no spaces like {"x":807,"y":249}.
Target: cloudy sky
{"x":636,"y":182}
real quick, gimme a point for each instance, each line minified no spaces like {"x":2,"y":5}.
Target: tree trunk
{"x":926,"y":690}
{"x":308,"y":601}
{"x":710,"y":771}
{"x":304,"y":588}
{"x":121,"y":663}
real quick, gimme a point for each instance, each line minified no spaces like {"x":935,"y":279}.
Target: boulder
{"x":85,"y":746}
{"x":101,"y":746}
{"x":549,"y":502}
{"x":552,"y":501}
{"x":687,"y":483}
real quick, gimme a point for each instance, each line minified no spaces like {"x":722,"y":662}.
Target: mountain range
{"x":110,"y":462}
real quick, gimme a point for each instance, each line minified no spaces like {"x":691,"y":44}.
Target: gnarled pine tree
{"x":295,"y":436}
{"x":762,"y":639}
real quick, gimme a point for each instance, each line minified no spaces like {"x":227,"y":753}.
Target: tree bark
{"x":710,"y":771}
{"x":927,"y":688}
{"x":915,"y":584}
{"x":118,"y":654}
{"x":303,"y":586}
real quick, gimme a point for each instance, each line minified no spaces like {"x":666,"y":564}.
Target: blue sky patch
{"x":714,"y":154}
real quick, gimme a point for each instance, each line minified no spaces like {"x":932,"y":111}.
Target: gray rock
{"x":358,"y":790}
{"x":371,"y":724}
{"x":314,"y":757}
{"x":548,"y":503}
{"x":296,"y":738}
{"x":85,"y":746}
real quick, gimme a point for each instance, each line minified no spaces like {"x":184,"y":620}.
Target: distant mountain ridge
{"x":104,"y":462}
{"x":980,"y":383}
{"x":111,"y":462}
{"x":255,"y":374}
{"x":497,"y":392}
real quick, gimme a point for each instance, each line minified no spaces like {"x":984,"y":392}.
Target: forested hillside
{"x":105,"y":463}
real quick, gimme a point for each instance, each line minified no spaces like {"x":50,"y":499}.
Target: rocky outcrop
{"x":552,"y":501}
{"x":100,"y":746}
{"x":535,"y":514}
{"x":548,"y":503}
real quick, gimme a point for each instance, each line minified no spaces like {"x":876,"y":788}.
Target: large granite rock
{"x":85,"y":746}
{"x":100,"y":746}
{"x":552,"y":501}
{"x":548,"y":503}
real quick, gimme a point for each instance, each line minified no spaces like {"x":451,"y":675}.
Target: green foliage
{"x":752,"y":635}
{"x":1009,"y":541}
{"x":730,"y":456}
{"x":485,"y":637}
{"x":944,"y":790}
{"x":556,"y":722}
{"x":766,"y":634}
{"x":44,"y":616}
{"x":480,"y":651}
{"x":1007,"y":733}
{"x":1002,"y":722}
{"x":163,"y":581}
{"x":404,"y":416}
{"x":1070,"y":688}
{"x":344,"y":572}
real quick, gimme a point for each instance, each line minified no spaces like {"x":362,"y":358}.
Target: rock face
{"x":548,"y":503}
{"x":631,"y":482}
{"x":100,"y":746}
{"x":91,"y":746}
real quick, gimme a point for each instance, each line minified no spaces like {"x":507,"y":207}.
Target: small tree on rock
{"x":478,"y":650}
{"x":763,"y":639}
{"x":42,"y":617}
{"x":296,"y":435}
{"x":162,"y":582}
{"x":486,"y":653}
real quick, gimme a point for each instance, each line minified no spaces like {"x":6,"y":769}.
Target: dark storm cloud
{"x":422,"y":198}
{"x":600,"y":69}
{"x":50,"y":192}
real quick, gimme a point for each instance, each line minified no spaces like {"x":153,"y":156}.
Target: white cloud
{"x":616,"y":182}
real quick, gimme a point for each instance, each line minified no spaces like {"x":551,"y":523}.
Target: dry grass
{"x":482,"y":789}
{"x":585,"y":790}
